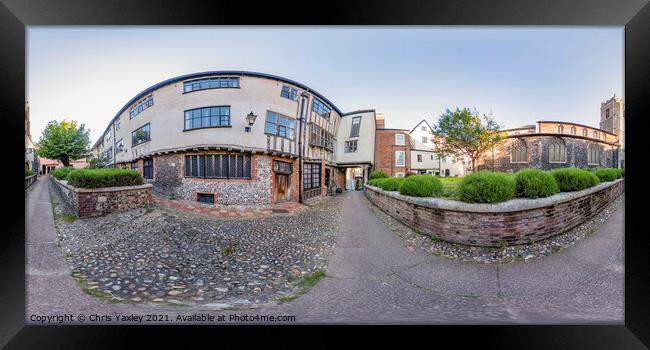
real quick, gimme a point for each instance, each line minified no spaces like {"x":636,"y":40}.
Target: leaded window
{"x":356,"y":125}
{"x":320,"y":137}
{"x":560,"y":129}
{"x":320,"y":108}
{"x":207,"y":117}
{"x":141,"y":135}
{"x":593,"y":154}
{"x":350,"y":146}
{"x":585,"y":133}
{"x":211,"y":83}
{"x":289,"y":92}
{"x":282,"y":167}
{"x":556,"y":151}
{"x":279,"y":125}
{"x":218,"y":166}
{"x":311,"y":175}
{"x":141,"y":106}
{"x":519,"y":152}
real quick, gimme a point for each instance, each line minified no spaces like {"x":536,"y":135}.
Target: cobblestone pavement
{"x":373,"y":276}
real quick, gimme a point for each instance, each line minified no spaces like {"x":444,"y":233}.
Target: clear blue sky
{"x":407,"y":73}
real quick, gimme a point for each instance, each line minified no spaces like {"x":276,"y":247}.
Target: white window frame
{"x":399,"y":174}
{"x":403,"y":141}
{"x":397,"y":158}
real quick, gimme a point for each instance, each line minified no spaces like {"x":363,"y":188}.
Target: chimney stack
{"x":379,"y":121}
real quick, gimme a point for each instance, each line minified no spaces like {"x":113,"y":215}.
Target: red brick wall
{"x":497,"y":228}
{"x":385,"y":148}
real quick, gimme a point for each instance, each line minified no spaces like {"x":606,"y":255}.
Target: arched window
{"x":556,"y":151}
{"x":560,"y":129}
{"x":607,"y":113}
{"x":519,"y":152}
{"x":573,"y":130}
{"x":596,"y":134}
{"x":585,"y":133}
{"x":593,"y":154}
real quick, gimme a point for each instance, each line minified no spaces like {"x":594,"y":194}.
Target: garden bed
{"x":516,"y":221}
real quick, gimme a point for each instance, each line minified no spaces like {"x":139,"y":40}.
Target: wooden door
{"x":281,"y":187}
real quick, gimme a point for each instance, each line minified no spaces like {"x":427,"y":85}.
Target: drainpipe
{"x":114,"y":145}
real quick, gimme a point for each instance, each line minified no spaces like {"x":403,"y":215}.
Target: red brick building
{"x":392,"y":149}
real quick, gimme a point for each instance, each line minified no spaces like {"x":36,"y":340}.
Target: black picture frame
{"x":15,"y":15}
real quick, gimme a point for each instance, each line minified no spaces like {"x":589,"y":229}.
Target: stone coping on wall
{"x":101,"y":189}
{"x":513,"y":205}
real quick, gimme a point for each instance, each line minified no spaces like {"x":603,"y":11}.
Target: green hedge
{"x":96,"y":178}
{"x":377,"y":174}
{"x":61,"y":173}
{"x":574,"y":179}
{"x":487,"y":187}
{"x":607,"y":174}
{"x":28,"y":173}
{"x":390,"y":184}
{"x":535,"y":183}
{"x":421,"y":186}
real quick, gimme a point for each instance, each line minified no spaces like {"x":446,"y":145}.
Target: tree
{"x":464,"y":133}
{"x":64,"y":141}
{"x":100,"y":161}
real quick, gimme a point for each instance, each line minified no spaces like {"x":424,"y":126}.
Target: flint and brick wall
{"x":93,"y":202}
{"x":518,"y":221}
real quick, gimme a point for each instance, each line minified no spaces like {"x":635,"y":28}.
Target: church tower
{"x":612,"y":119}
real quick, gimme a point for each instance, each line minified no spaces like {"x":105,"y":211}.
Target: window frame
{"x":199,"y":162}
{"x":147,"y":168}
{"x":326,"y":110}
{"x":403,"y":140}
{"x":201,"y":117}
{"x":593,"y":150}
{"x":136,"y":130}
{"x":308,"y":173}
{"x":141,"y":106}
{"x":278,"y":124}
{"x":397,"y":159}
{"x":209,"y":81}
{"x":562,"y":146}
{"x":290,"y":91}
{"x":348,"y":148}
{"x":355,"y":126}
{"x":516,"y":150}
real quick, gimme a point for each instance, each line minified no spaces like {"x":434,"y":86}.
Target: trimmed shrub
{"x":96,"y":178}
{"x":622,"y":170}
{"x":28,"y":172}
{"x":574,"y":179}
{"x":421,"y":186}
{"x":486,"y":187}
{"x":62,"y":173}
{"x":607,"y":174}
{"x":377,"y":174}
{"x":535,"y":183}
{"x":391,"y":183}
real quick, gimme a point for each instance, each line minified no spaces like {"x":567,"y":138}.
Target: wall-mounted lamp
{"x":250,"y":119}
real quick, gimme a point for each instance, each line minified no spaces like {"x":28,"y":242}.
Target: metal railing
{"x":29,"y":180}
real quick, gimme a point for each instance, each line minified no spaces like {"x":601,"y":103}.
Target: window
{"x":400,"y":158}
{"x":356,"y":125}
{"x":519,"y":152}
{"x":117,"y":125}
{"x":207,"y":117}
{"x":350,"y":146}
{"x":432,"y":157}
{"x":423,"y":128}
{"x":320,"y":108}
{"x":399,"y":174}
{"x":321,"y":138}
{"x":560,"y":129}
{"x":148,"y":169}
{"x":141,"y":106}
{"x":573,"y":130}
{"x":311,"y":175}
{"x":557,"y":151}
{"x":419,"y":158}
{"x":607,"y":113}
{"x":585,"y":133}
{"x":205,"y":198}
{"x":595,"y":134}
{"x":134,"y":166}
{"x":280,"y":125}
{"x":282,"y":167}
{"x":211,"y":83}
{"x":218,"y":166}
{"x":289,"y":92}
{"x":141,"y":135}
{"x":399,"y":139}
{"x":593,"y":154}
{"x":119,"y":146}
{"x":424,"y":139}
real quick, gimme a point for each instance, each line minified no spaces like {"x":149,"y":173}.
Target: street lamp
{"x":250,"y":119}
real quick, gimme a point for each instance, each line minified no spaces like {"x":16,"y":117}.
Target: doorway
{"x":281,"y":188}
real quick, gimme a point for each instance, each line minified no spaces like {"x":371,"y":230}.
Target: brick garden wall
{"x":518,"y":221}
{"x":94,"y":202}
